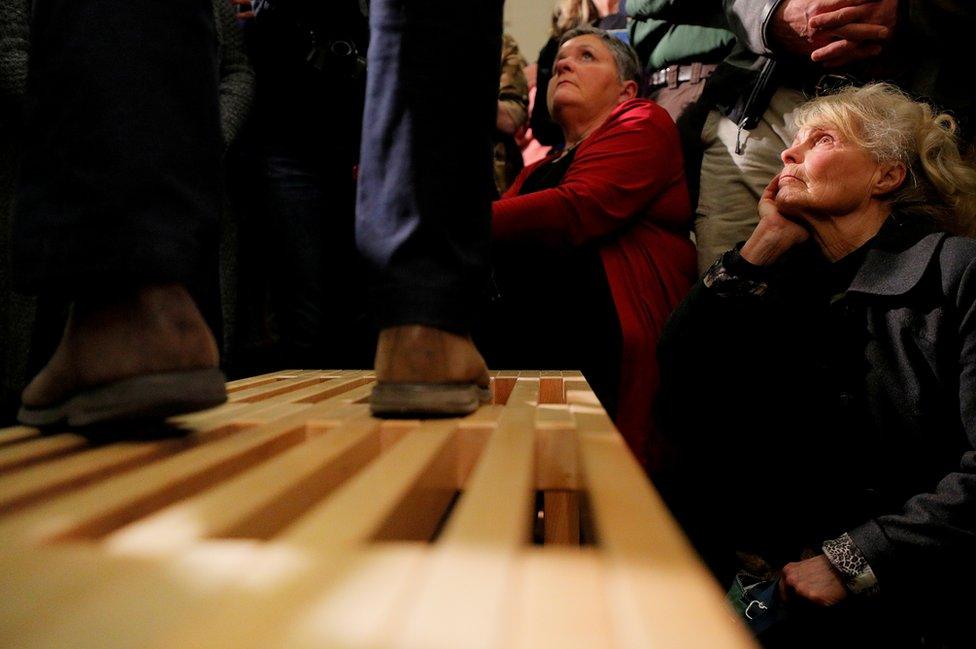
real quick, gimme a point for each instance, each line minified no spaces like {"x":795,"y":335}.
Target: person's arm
{"x":938,"y":528}
{"x":609,"y":182}
{"x":236,"y":74}
{"x":831,"y":32}
{"x":933,"y":537}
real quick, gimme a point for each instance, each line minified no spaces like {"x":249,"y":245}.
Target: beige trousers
{"x":731,"y":184}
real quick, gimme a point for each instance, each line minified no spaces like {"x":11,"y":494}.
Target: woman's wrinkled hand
{"x":775,"y":233}
{"x":814,"y":581}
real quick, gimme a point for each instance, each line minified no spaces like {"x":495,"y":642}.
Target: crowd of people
{"x":747,"y":223}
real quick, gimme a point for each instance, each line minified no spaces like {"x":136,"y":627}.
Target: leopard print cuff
{"x":726,"y":278}
{"x":847,"y":559}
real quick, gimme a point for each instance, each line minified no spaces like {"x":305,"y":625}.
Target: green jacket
{"x":660,"y":43}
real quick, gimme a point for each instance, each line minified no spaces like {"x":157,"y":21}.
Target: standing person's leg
{"x":731,"y":183}
{"x":424,"y":208}
{"x":118,"y":205}
{"x":316,"y":280}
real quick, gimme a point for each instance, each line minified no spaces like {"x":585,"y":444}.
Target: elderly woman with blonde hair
{"x":819,"y":387}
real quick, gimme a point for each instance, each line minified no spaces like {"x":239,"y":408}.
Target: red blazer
{"x":625,"y":188}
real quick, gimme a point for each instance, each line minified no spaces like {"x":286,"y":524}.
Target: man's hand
{"x":833,"y":32}
{"x":813,"y":580}
{"x":790,"y":27}
{"x":860,"y":31}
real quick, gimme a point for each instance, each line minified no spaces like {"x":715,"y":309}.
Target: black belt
{"x":672,"y":75}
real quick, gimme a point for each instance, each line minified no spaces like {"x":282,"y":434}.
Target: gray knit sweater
{"x":236,"y":74}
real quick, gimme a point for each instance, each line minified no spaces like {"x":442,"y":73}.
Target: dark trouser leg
{"x":316,"y":277}
{"x":118,"y":204}
{"x":120,"y":181}
{"x":423,"y":216}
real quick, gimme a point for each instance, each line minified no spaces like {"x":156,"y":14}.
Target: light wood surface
{"x":289,"y":517}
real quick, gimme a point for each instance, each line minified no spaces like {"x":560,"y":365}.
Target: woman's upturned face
{"x":825,"y":175}
{"x":585,"y":75}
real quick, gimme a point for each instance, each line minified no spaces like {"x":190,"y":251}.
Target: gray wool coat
{"x":919,"y":306}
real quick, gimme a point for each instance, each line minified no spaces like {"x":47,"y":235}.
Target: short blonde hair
{"x":882,"y":119}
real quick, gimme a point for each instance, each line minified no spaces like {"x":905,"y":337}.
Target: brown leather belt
{"x":672,"y":75}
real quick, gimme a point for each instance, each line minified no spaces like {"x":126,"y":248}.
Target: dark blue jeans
{"x":424,"y":205}
{"x":316,"y":283}
{"x":120,"y":181}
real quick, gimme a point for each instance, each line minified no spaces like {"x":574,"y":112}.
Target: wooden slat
{"x":561,"y":603}
{"x":323,"y":391}
{"x":562,"y":517}
{"x":422,"y":465}
{"x":400,"y":495}
{"x":266,"y":391}
{"x":557,"y":451}
{"x":495,"y":508}
{"x":359,"y":605}
{"x":88,"y":467}
{"x":254,"y":381}
{"x":112,"y":503}
{"x":44,"y":481}
{"x":336,"y":600}
{"x":464,"y":598}
{"x":23,"y":488}
{"x":658,"y":588}
{"x":502,"y":384}
{"x":258,"y":503}
{"x":127,"y":603}
{"x":40,"y":449}
{"x":480,"y":542}
{"x":474,"y":432}
{"x":17,"y":434}
{"x":551,"y":388}
{"x":48,"y":584}
{"x":204,"y":417}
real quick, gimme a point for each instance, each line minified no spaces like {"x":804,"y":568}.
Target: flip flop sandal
{"x":150,"y":396}
{"x":427,"y":399}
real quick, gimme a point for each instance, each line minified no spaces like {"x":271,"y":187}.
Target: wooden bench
{"x":289,"y":517}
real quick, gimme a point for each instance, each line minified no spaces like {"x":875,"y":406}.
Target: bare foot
{"x":147,"y":330}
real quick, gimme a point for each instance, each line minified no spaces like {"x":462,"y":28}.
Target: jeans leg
{"x":424,"y":202}
{"x":315,"y":277}
{"x":120,"y":180}
{"x":732,"y":183}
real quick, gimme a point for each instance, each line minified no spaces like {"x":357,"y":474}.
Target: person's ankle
{"x":144,"y":330}
{"x":425,"y":354}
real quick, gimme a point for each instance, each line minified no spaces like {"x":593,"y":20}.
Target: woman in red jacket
{"x":591,"y":243}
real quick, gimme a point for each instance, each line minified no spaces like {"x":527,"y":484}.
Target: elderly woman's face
{"x":585,"y":74}
{"x":825,"y":175}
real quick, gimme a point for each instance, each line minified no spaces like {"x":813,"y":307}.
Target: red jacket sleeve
{"x":617,"y":172}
